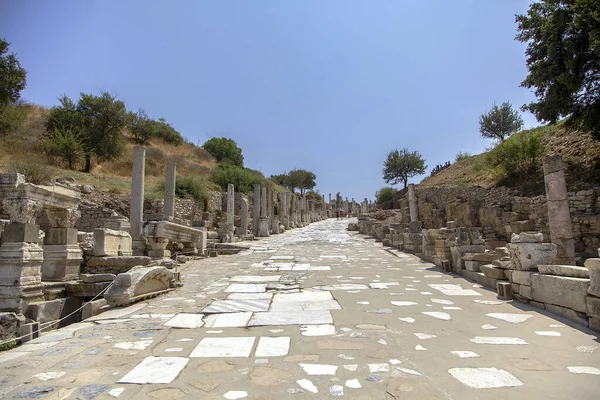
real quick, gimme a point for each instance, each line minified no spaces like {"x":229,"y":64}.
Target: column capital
{"x":23,"y":210}
{"x":62,"y":217}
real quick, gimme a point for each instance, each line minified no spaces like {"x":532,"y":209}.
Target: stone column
{"x":412,"y":203}
{"x":283,"y":210}
{"x":243,"y":217}
{"x":136,"y":215}
{"x":256,"y":209}
{"x":21,"y":256}
{"x":62,"y":254}
{"x":263,"y":202}
{"x":559,"y":216}
{"x":263,"y":223}
{"x":329,"y":198}
{"x":293,"y":209}
{"x":274,"y":219}
{"x":230,"y":207}
{"x":169,"y":204}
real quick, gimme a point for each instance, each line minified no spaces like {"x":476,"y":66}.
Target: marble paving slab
{"x":185,"y":320}
{"x":272,"y":346}
{"x":225,"y":306}
{"x":156,"y":370}
{"x":246,"y":288}
{"x":228,"y":320}
{"x":286,"y":318}
{"x":250,"y":296}
{"x":224,"y":347}
{"x":255,"y":278}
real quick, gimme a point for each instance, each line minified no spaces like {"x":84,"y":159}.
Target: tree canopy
{"x":224,"y":149}
{"x":96,"y":121}
{"x":385,"y":194}
{"x":296,"y":179}
{"x":500,"y":122}
{"x":563,"y":38}
{"x":401,"y":165}
{"x":13,"y":77}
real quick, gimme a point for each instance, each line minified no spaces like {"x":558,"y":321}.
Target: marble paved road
{"x":312,"y":313}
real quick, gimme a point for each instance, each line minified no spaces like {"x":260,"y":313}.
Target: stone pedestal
{"x":593,"y":265}
{"x":169,"y":203}
{"x":263,"y":227}
{"x":559,"y":216}
{"x":62,"y":255}
{"x":20,"y":267}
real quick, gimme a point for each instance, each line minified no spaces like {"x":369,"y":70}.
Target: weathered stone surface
{"x":522,"y":277}
{"x":9,"y":325}
{"x":139,"y":283}
{"x":493,"y":272}
{"x":527,"y":256}
{"x":593,"y":265}
{"x":564,"y":270}
{"x":560,"y":290}
{"x":593,"y":306}
{"x":111,"y":243}
{"x":81,"y":289}
{"x":114,"y":265}
{"x":504,"y":290}
{"x":527,"y":237}
{"x":569,"y":314}
{"x":91,"y":278}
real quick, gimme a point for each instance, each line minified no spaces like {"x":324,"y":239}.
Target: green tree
{"x":281,"y":179}
{"x":224,"y":149}
{"x":242,"y":178}
{"x":140,"y":126}
{"x":13,"y":77}
{"x":385,"y":194}
{"x":164,"y":130}
{"x":563,"y":38}
{"x":500,"y":122}
{"x":65,"y":145}
{"x":99,"y":121}
{"x":401,"y":165}
{"x":301,"y":179}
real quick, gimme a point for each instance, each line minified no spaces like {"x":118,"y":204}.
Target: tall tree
{"x":140,"y":126}
{"x":98,"y":120}
{"x":401,"y":165}
{"x":225,"y":149}
{"x":301,"y":179}
{"x":13,"y":77}
{"x":500,"y":122}
{"x":563,"y":58}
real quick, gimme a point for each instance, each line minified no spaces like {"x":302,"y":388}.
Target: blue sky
{"x":328,"y":86}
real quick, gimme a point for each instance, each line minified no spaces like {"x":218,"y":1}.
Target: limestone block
{"x":522,"y":277}
{"x":82,"y":289}
{"x":486,"y":257}
{"x":504,"y":290}
{"x":560,"y":290}
{"x":527,"y":237}
{"x":114,"y":265}
{"x":504,"y":263}
{"x":473,"y":266}
{"x":212,"y":235}
{"x":111,"y":243}
{"x":567,"y":313}
{"x":593,"y":306}
{"x":593,"y":265}
{"x":91,"y":278}
{"x":526,"y":291}
{"x":508,"y":273}
{"x":61,"y":262}
{"x":92,"y":308}
{"x":138,"y":284}
{"x":564,"y":270}
{"x":527,"y":256}
{"x":493,"y":272}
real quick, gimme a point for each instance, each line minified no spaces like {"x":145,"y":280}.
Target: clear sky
{"x":328,"y":86}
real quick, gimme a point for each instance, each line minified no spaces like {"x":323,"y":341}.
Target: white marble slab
{"x":317,"y":330}
{"x":584,"y":370}
{"x":403,"y":303}
{"x":512,"y":318}
{"x":453,"y":290}
{"x":228,"y":320}
{"x":118,"y":312}
{"x":185,"y":320}
{"x":250,"y":296}
{"x":287,"y":318}
{"x":224,"y":347}
{"x":497,"y":340}
{"x":465,"y":354}
{"x":484,"y":378}
{"x":246,"y":288}
{"x":255,"y":278}
{"x":272,"y":346}
{"x":438,"y":314}
{"x":138,"y":345}
{"x":307,"y":385}
{"x":319,"y":369}
{"x":226,"y":306}
{"x":156,"y":370}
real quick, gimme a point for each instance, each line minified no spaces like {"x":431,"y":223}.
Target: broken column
{"x":136,"y":216}
{"x":559,"y":216}
{"x":169,"y":203}
{"x":263,"y":223}
{"x":243,"y":230}
{"x":256,"y":209}
{"x":273,"y":219}
{"x":412,"y":203}
{"x":230,"y":207}
{"x":62,"y":254}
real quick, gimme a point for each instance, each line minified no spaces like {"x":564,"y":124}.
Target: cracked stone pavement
{"x":316,"y":312}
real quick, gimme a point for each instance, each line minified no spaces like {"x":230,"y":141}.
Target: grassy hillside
{"x":580,"y":152}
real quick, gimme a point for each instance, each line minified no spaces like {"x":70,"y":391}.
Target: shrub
{"x":164,"y":130}
{"x":192,"y":187}
{"x":518,"y":157}
{"x":438,"y":168}
{"x":66,"y":146}
{"x":461,"y":156}
{"x":224,"y":149}
{"x":35,"y":172}
{"x":242,"y":178}
{"x":385,"y":194}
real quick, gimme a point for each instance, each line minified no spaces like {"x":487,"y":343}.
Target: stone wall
{"x":502,"y":212}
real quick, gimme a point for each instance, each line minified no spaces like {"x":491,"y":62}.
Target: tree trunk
{"x":88,"y":163}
